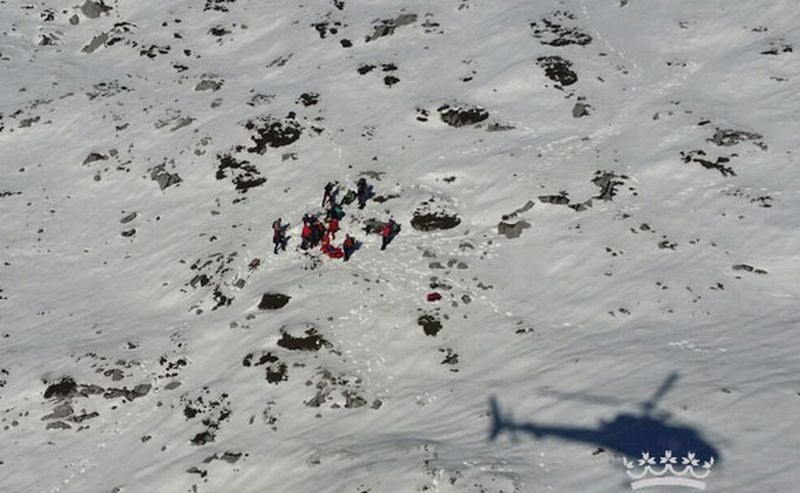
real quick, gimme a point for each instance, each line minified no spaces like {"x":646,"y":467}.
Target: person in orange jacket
{"x":306,"y":236}
{"x":387,"y":233}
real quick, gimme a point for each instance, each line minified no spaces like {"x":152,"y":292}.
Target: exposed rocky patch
{"x":209,"y":82}
{"x":387,"y":27}
{"x":329,"y":385}
{"x":729,"y":137}
{"x":312,"y":341}
{"x":430,"y":324}
{"x":107,"y":89}
{"x":276,"y":370}
{"x":698,"y":157}
{"x":271,"y":132}
{"x":308,"y":99}
{"x":561,"y":199}
{"x":115,"y":35}
{"x":525,"y":208}
{"x":324,"y":28}
{"x":211,"y":271}
{"x":154,"y":50}
{"x":164,"y":178}
{"x":94,"y":9}
{"x":461,"y":115}
{"x":608,"y":182}
{"x":580,"y":110}
{"x":559,"y":29}
{"x":94,"y":156}
{"x":778,"y":47}
{"x":558,"y":70}
{"x":434,"y":221}
{"x":218,"y":5}
{"x":748,"y":268}
{"x":511,"y":231}
{"x":450,"y":358}
{"x":260,"y":99}
{"x":63,"y":389}
{"x":244,"y":175}
{"x":364,"y":69}
{"x":214,"y":412}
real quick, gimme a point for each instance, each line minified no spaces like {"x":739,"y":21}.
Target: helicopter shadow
{"x":630,"y":434}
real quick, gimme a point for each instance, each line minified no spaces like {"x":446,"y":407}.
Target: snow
{"x":685,"y":280}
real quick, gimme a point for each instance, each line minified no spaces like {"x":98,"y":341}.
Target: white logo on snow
{"x":667,"y":472}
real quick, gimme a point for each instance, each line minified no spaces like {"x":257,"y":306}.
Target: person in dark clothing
{"x":318,"y":232}
{"x":349,"y":246}
{"x":330,"y":194}
{"x":387,"y":233}
{"x":279,"y":236}
{"x":362,"y":192}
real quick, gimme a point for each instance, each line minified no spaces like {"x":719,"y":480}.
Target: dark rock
{"x":554,"y":199}
{"x":231,"y":457}
{"x":208,"y":85}
{"x":608,"y":183}
{"x":558,"y":70}
{"x":165,"y":179}
{"x":512,"y":230}
{"x":698,"y":157}
{"x":115,"y":374}
{"x":64,"y":389}
{"x":273,"y":133}
{"x":273,"y":301}
{"x":130,"y":217}
{"x":430,"y":325}
{"x":308,"y":99}
{"x":93,"y":9}
{"x":730,"y":137}
{"x":58,"y":425}
{"x":460,"y":116}
{"x":96,"y":42}
{"x":245,"y":175}
{"x":434,"y":221}
{"x":554,"y":30}
{"x":202,"y":438}
{"x":59,"y":412}
{"x":277,"y":372}
{"x":748,"y":268}
{"x":387,"y":27}
{"x":365,"y":69}
{"x":94,"y":156}
{"x":311,"y":342}
{"x":580,"y":110}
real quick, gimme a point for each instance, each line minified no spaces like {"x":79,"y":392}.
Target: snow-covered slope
{"x":616,"y":187}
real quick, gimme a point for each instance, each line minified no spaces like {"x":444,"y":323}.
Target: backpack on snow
{"x":349,"y":197}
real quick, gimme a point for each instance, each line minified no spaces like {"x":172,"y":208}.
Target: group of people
{"x":316,"y":232}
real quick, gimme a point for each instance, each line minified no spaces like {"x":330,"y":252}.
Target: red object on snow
{"x":434,"y":296}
